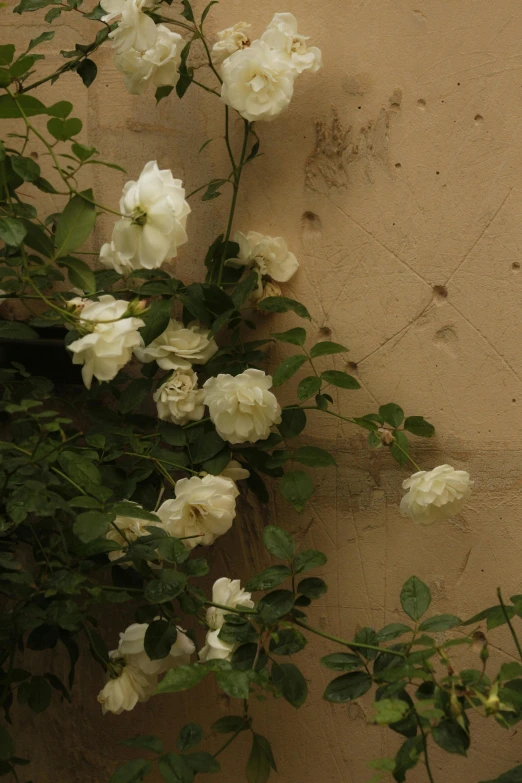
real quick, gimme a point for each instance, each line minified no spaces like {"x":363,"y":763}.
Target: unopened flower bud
{"x":492,"y":704}
{"x":385,"y":435}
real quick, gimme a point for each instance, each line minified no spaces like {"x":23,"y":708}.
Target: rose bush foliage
{"x":112,"y":491}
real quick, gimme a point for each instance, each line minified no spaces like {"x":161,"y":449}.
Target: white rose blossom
{"x":153,"y":227}
{"x":179,"y":400}
{"x":226,"y":592}
{"x":235,"y":471}
{"x":268,"y":255}
{"x":124,"y":691}
{"x":132,"y":647}
{"x":157,"y":66}
{"x":436,"y":494}
{"x":203,"y":509}
{"x":241,"y":407}
{"x":269,"y":289}
{"x":281,"y":35}
{"x":131,"y":527}
{"x":135,"y":29}
{"x":179,"y":347}
{"x":110,"y":342}
{"x":231,"y":40}
{"x":257,"y":81}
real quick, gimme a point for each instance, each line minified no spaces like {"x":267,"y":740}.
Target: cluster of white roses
{"x":133,"y":675}
{"x":146,"y":53}
{"x":259,"y":76}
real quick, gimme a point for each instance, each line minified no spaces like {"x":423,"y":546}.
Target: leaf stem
{"x":358,"y":645}
{"x":510,"y":624}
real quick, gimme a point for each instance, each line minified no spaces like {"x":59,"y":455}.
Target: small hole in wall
{"x":437,"y":173}
{"x":515,"y":266}
{"x":514,"y":399}
{"x":421,"y":103}
{"x":325,"y":330}
{"x":352,"y":366}
{"x":398,"y":166}
{"x":34,"y":155}
{"x":440,"y":291}
{"x":359,"y":107}
{"x":479,"y":119}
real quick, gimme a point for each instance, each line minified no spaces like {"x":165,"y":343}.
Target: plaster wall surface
{"x":395,"y":177}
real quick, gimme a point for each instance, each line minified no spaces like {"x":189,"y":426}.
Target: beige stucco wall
{"x":395,"y":177}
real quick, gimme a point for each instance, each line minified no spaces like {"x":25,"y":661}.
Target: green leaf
{"x":340,"y":379}
{"x":82,"y":152}
{"x":87,"y":71}
{"x":495,"y":616}
{"x":281,"y":304}
{"x":42,"y":38}
{"x":278,"y":542}
{"x":348,"y":687}
{"x":189,"y":736}
{"x":290,"y":682}
{"x":341,"y":662}
{"x":392,"y":631}
{"x":80,"y":275}
{"x":145,"y":742}
{"x":392,"y":414}
{"x":295,"y":336}
{"x":159,"y":638}
{"x":269,"y":578}
{"x":314,"y":457}
{"x":418,"y":425}
{"x":75,"y":223}
{"x":415,"y":598}
{"x":312,"y":587}
{"x":509,"y":671}
{"x":297,"y":487}
{"x":244,"y":288}
{"x":260,"y":760}
{"x":182,"y":678}
{"x":60,"y":109}
{"x":234,"y":682}
{"x":6,"y":54}
{"x":131,"y":772}
{"x":156,"y":319}
{"x":167,"y":586}
{"x":400,"y":448}
{"x":389,"y":711}
{"x":91,"y":525}
{"x":287,"y":641}
{"x":16,"y":330}
{"x":293,"y":422}
{"x":37,"y":694}
{"x":52,"y":14}
{"x":287,"y":368}
{"x":407,"y":757}
{"x":187,"y":11}
{"x":207,"y":9}
{"x":26,"y":168}
{"x":274,"y":605}
{"x":326,"y":348}
{"x":201,"y":761}
{"x":441,"y":622}
{"x":133,"y":395}
{"x":11,"y":109}
{"x":309,"y":558}
{"x":229,"y":724}
{"x":6,"y":742}
{"x":513,"y":776}
{"x":12,"y":231}
{"x":62,"y":130}
{"x":451,"y":737}
{"x":308,"y":387}
{"x":174,"y":769}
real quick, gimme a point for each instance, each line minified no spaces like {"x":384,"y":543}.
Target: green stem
{"x":425,"y":749}
{"x":229,"y":740}
{"x":162,"y":462}
{"x":237,"y":180}
{"x":229,"y":609}
{"x":346,"y":643}
{"x":510,"y":624}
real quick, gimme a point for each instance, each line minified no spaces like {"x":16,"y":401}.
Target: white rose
{"x":231,"y":40}
{"x":135,"y":29}
{"x":241,"y":407}
{"x":269,"y":255}
{"x":132,"y":647}
{"x":436,"y":494}
{"x":258,"y":82}
{"x":227,"y":592}
{"x":216,"y":648}
{"x":155,"y":219}
{"x":281,"y":35}
{"x":203,"y":509}
{"x":131,"y":528}
{"x":179,"y":400}
{"x":124,"y":691}
{"x":157,"y":66}
{"x":109,"y":344}
{"x":235,"y":471}
{"x":111,"y":259}
{"x":179,"y":347}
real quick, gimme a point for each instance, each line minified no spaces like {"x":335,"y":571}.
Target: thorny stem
{"x":510,"y":624}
